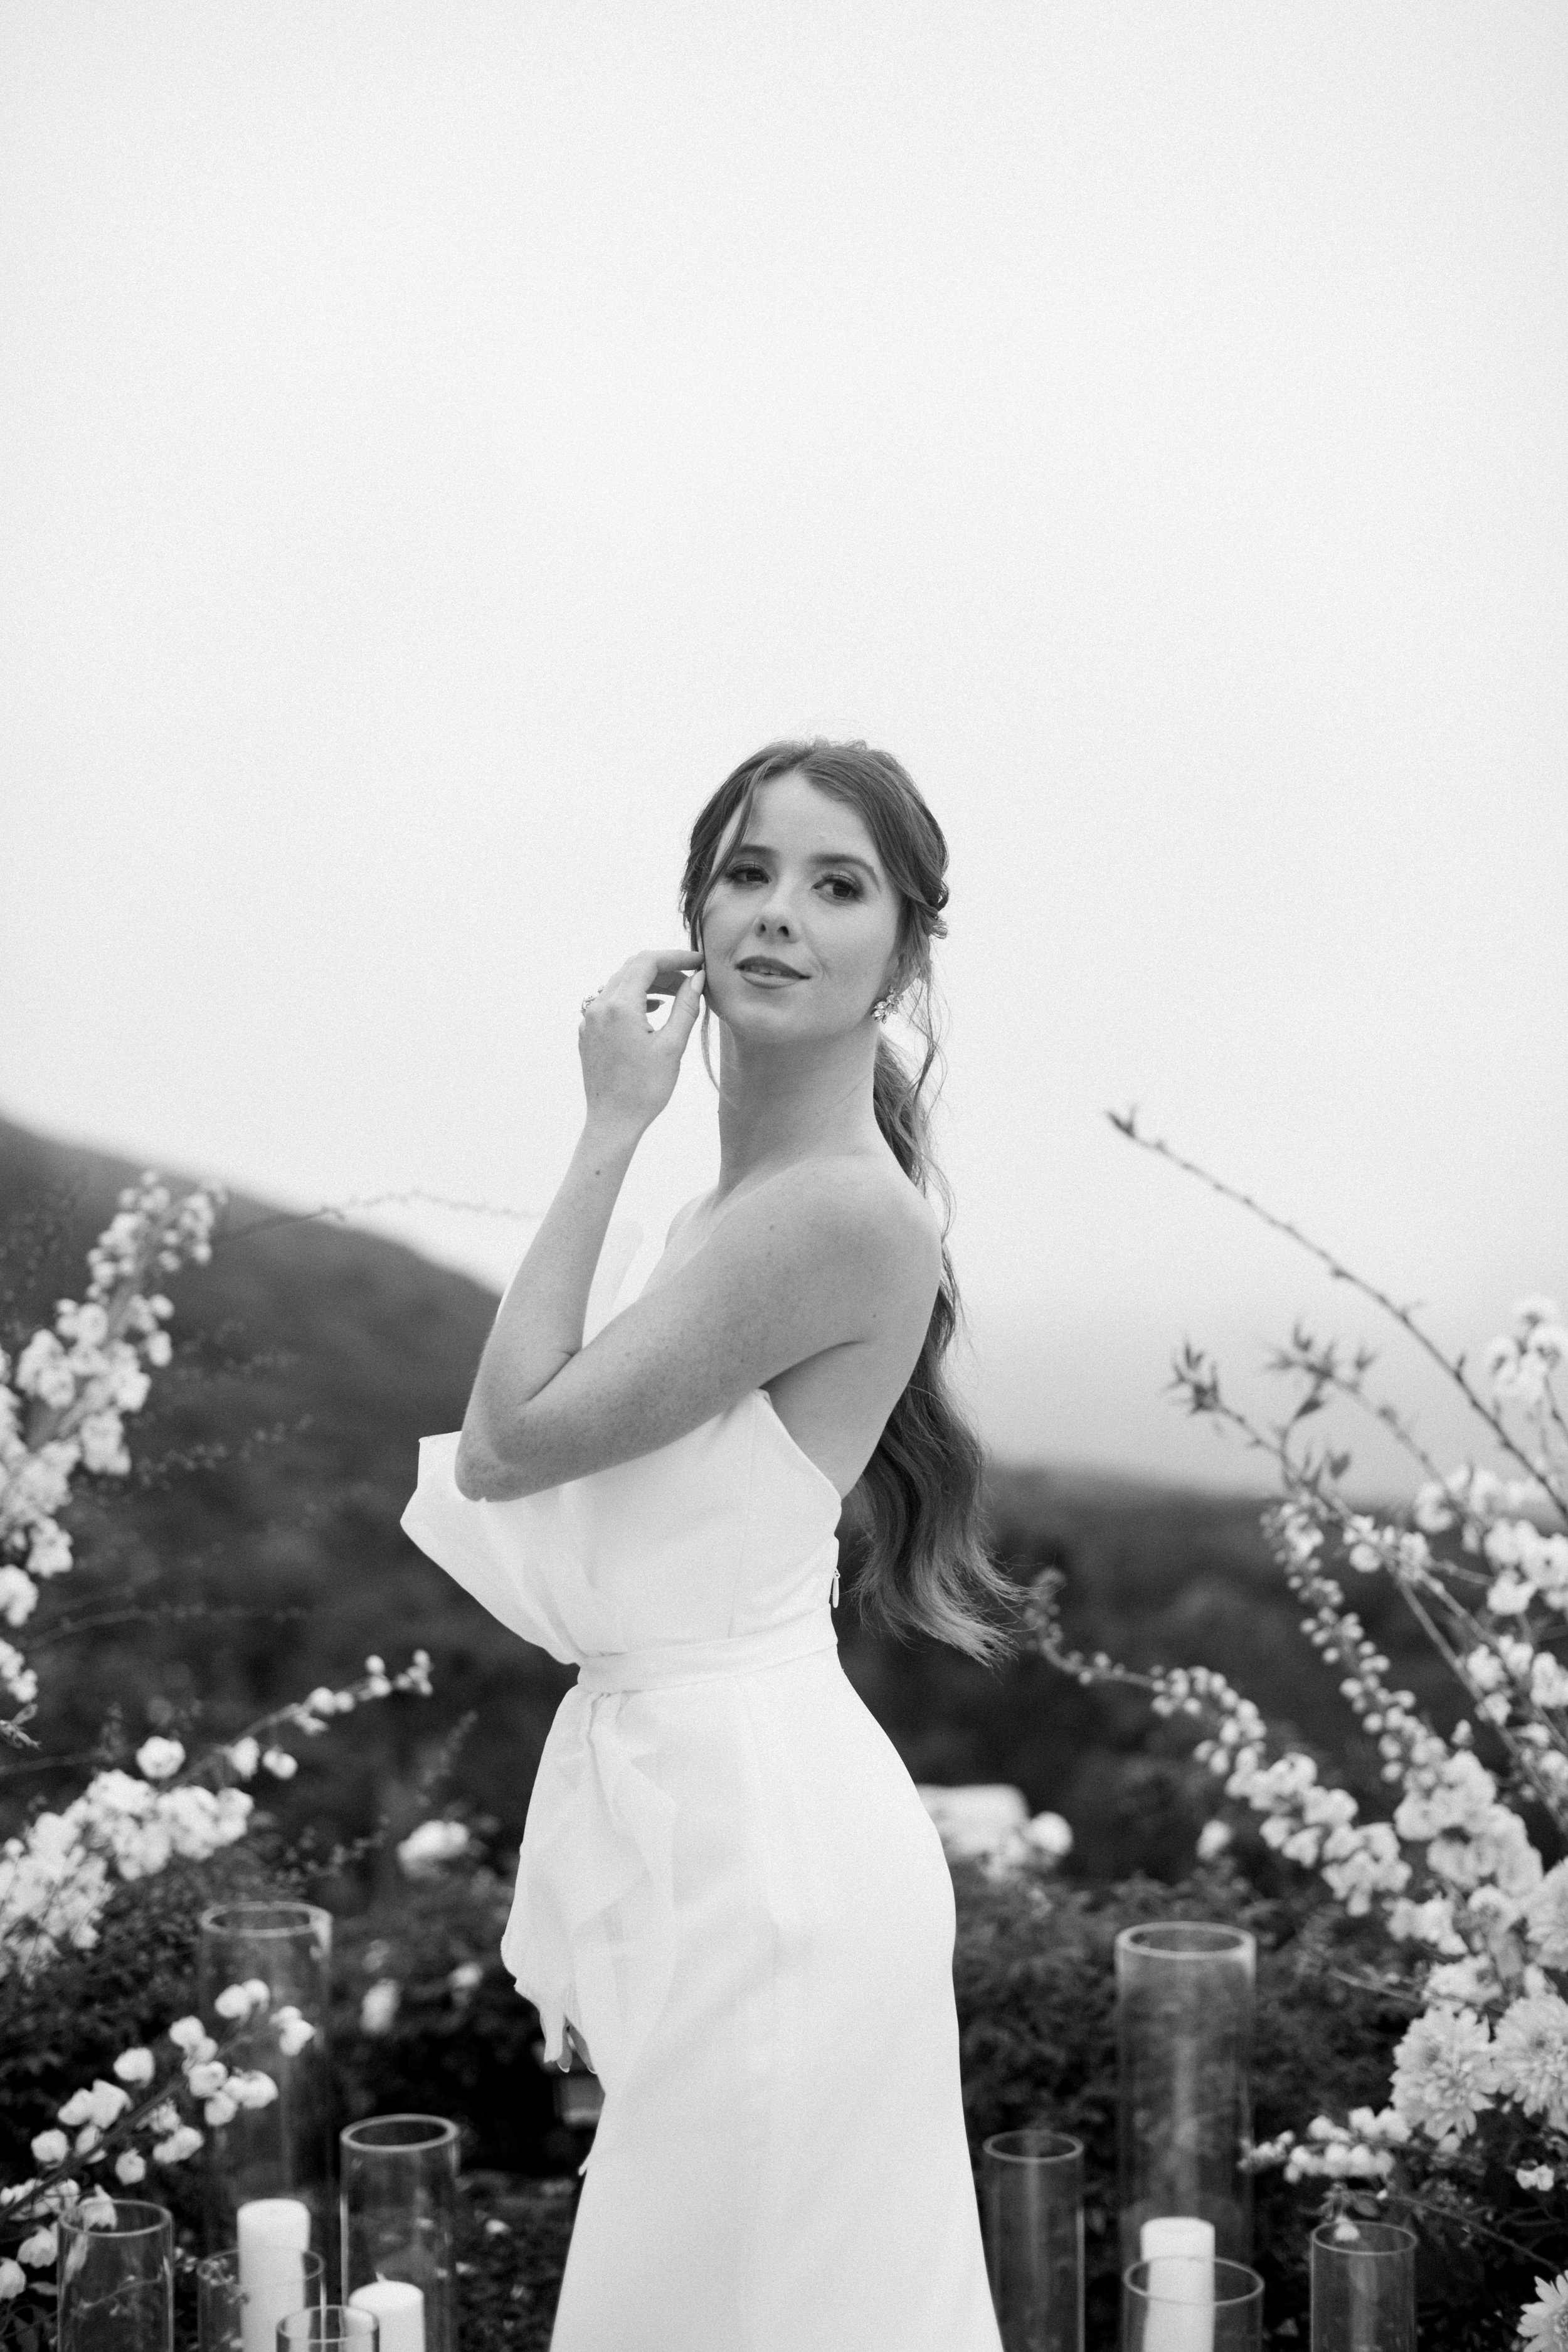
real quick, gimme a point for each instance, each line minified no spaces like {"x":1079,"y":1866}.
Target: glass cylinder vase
{"x":1364,"y":2287}
{"x":332,"y":2328}
{"x":398,"y":2191}
{"x":1178,"y":2303}
{"x":1184,"y":2009}
{"x":281,"y":2153}
{"x":241,"y":2299}
{"x":1032,"y":2203}
{"x":117,"y":2278}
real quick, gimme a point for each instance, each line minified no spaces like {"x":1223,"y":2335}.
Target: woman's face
{"x":800,"y":927}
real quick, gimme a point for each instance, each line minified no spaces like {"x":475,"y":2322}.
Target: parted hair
{"x":926,"y":1569}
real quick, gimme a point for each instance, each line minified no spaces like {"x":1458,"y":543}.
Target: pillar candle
{"x":274,"y":2232}
{"x":400,"y":2309}
{"x":1180,"y":2251}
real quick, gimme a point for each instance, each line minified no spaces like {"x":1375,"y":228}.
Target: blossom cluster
{"x":139,"y":2120}
{"x":63,"y":1407}
{"x":1364,"y":2149}
{"x":64,"y":1402}
{"x":58,"y":1874}
{"x":1479,"y":1924}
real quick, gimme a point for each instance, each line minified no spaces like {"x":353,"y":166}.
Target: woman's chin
{"x":780,"y":1020}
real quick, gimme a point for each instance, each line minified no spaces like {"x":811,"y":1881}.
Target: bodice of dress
{"x":712,"y":1557}
{"x":728,"y":1531}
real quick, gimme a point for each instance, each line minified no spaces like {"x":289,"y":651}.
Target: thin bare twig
{"x":1126,"y":1124}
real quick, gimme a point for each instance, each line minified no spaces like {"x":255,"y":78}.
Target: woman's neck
{"x":778,"y":1105}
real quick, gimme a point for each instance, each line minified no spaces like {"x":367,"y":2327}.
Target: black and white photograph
{"x":783,"y":1176}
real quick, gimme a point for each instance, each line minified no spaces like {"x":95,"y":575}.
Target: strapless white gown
{"x":729,"y":1886}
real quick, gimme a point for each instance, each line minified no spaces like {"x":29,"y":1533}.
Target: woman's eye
{"x":843,"y":887}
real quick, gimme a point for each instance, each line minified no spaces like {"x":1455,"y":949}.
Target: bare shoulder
{"x":684,"y":1215}
{"x":831,"y":1258}
{"x":857,"y":1208}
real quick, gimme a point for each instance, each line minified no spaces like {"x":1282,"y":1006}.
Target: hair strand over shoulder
{"x":926,"y":1569}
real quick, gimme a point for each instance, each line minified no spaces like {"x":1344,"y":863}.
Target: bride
{"x":728,"y":1892}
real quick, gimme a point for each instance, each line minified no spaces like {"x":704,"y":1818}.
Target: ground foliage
{"x":1034,"y":1975}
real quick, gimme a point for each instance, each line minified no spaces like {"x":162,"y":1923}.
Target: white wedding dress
{"x":731,"y":1888}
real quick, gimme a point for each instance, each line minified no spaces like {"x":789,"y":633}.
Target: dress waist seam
{"x":676,"y":1666}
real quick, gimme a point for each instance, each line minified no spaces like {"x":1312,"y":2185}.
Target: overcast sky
{"x":437,"y":442}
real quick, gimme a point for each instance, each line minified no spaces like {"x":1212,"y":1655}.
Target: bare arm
{"x":812,"y":1260}
{"x":630,"y":1071}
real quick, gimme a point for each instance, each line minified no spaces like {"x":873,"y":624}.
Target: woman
{"x":729,"y":1890}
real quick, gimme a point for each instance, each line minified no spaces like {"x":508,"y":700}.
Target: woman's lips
{"x":760,"y":978}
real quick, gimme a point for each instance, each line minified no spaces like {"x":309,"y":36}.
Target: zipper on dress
{"x":833,"y":1596}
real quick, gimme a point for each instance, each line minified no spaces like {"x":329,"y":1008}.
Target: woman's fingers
{"x":652,"y":971}
{"x":629,"y":1066}
{"x":683,"y":1012}
{"x":651,"y":978}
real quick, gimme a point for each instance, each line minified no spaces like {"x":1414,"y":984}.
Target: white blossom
{"x":378,"y":2009}
{"x":1531,"y":2052}
{"x":1470,"y":1983}
{"x":1445,"y":2073}
{"x":18,"y":1595}
{"x":294,"y":2031}
{"x":252,"y":2089}
{"x":1543,"y":2322}
{"x":16,"y":1677}
{"x":1546,"y":1917}
{"x":103,"y":2106}
{"x":160,"y":1759}
{"x":423,"y":1850}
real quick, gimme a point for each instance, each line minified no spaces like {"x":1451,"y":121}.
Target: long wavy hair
{"x":925,"y":1570}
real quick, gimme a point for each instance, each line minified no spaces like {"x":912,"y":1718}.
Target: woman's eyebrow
{"x":821,"y":857}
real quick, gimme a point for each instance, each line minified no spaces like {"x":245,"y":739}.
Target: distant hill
{"x":310,"y":1357}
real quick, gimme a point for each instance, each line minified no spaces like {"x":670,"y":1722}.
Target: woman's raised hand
{"x":629,"y":1068}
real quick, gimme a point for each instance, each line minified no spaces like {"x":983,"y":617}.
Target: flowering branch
{"x":55,"y":1878}
{"x":62,"y":1409}
{"x":63,"y":1406}
{"x":108,"y":2120}
{"x":1454,"y":1878}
